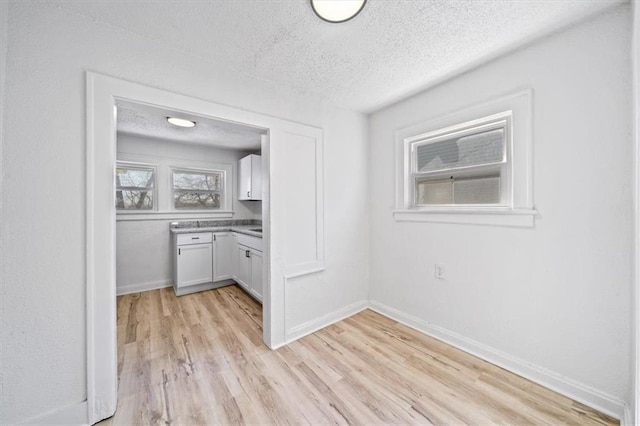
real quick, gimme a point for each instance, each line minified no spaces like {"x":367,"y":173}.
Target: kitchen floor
{"x":199,"y":359}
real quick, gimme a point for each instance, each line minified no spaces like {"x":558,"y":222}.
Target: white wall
{"x":143,"y":252}
{"x":557,"y":296}
{"x":43,"y":277}
{"x":345,"y":178}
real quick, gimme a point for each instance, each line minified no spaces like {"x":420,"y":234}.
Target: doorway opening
{"x":107,"y":98}
{"x":188,"y":207}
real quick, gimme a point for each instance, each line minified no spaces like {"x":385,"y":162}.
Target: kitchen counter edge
{"x":239,"y":229}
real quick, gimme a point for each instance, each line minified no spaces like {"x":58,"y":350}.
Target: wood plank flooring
{"x":199,"y":360}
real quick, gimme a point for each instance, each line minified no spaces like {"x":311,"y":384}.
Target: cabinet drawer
{"x":195,"y":238}
{"x":249,"y":241}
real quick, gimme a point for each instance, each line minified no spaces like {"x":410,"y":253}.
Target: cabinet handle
{"x":214,"y":237}
{"x":178,"y":252}
{"x":247,"y":253}
{"x":195,"y":238}
{"x":248,"y":194}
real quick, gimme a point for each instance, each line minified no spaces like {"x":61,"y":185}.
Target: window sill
{"x":173,"y":215}
{"x":492,"y":216}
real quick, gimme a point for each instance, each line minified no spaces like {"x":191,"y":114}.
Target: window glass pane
{"x":473,"y":150}
{"x":434,"y":192}
{"x":196,"y":200}
{"x":134,"y":177}
{"x":134,"y":200}
{"x":134,"y":187}
{"x":477,"y":191}
{"x":197,"y":181}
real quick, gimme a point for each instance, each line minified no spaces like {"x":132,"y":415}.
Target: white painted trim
{"x":520,"y":154}
{"x":267,"y":288}
{"x":587,"y":395}
{"x":126,"y":217}
{"x":75,"y":414}
{"x":495,"y":217}
{"x":634,"y":411}
{"x":318,"y":263}
{"x":302,"y":271}
{"x":310,"y":327}
{"x":139,"y":287}
{"x":100,"y":250}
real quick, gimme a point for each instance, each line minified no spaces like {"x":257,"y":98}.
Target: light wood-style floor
{"x":199,"y":359}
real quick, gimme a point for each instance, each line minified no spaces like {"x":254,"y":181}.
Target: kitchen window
{"x":135,"y":186}
{"x":472,"y":166}
{"x":198,"y":189}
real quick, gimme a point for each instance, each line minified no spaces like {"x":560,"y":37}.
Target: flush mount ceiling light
{"x":181,"y":122}
{"x":337,"y":11}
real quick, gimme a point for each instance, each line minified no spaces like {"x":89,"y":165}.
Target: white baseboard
{"x":304,"y":329}
{"x":71,"y":415}
{"x":587,"y":395}
{"x":138,"y":287}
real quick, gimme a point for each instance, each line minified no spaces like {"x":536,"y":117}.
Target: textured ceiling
{"x":392,"y":49}
{"x":149,"y":121}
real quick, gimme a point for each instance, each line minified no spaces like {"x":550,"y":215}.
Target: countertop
{"x":211,"y":226}
{"x":241,"y":229}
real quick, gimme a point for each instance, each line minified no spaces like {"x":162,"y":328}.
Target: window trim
{"x":517,"y":210}
{"x":137,"y":165}
{"x":223,"y":195}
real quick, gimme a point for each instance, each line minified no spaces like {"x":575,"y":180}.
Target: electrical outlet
{"x":438,"y":272}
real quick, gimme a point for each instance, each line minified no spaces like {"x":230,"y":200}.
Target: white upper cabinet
{"x":250,"y":178}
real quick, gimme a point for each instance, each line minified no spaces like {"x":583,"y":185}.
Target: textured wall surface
{"x":43,"y":276}
{"x":557,"y":296}
{"x":392,"y":48}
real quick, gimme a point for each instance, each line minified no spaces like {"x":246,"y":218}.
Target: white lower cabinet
{"x":208,"y":260}
{"x":244,"y":267}
{"x":249,"y":264}
{"x":223,"y":247}
{"x":194,"y":261}
{"x":256,"y":274}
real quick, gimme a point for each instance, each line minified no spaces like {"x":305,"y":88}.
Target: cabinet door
{"x":244,"y":178}
{"x":256,"y":177}
{"x":244,"y":267}
{"x":234,"y":256}
{"x":194,"y":265}
{"x":223,"y":252}
{"x":256,"y":274}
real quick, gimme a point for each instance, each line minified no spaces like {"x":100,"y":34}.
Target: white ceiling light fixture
{"x":181,"y":122}
{"x":336,"y":11}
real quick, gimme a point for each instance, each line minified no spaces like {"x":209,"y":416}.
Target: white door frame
{"x":633,"y":416}
{"x":102,"y":93}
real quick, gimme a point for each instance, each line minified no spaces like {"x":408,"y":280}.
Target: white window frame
{"x":516,"y":205}
{"x":223,"y":191}
{"x":494,"y":122}
{"x":140,"y":166}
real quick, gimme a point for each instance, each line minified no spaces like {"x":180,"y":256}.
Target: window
{"x":471,"y":166}
{"x":135,"y":186}
{"x":466,"y":164}
{"x":198,"y":189}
